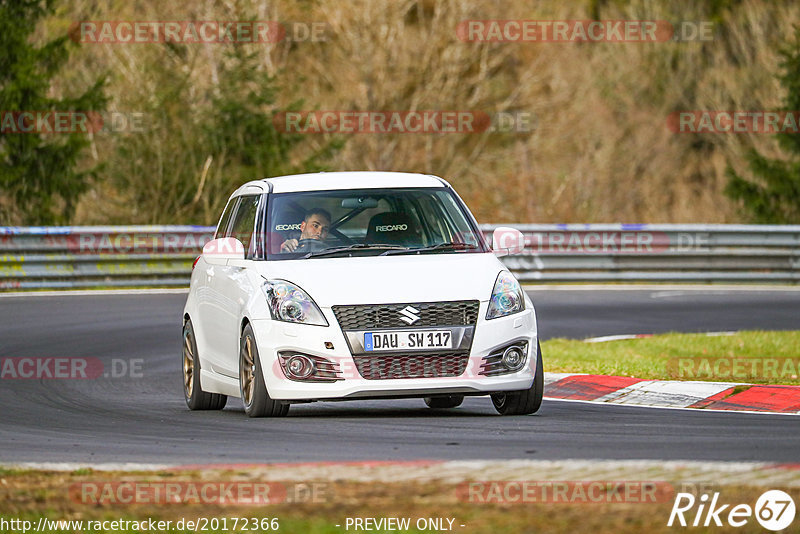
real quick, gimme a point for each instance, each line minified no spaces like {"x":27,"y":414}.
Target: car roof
{"x":326,"y":181}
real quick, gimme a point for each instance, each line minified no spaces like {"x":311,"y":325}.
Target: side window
{"x":222,"y":227}
{"x":244,"y":220}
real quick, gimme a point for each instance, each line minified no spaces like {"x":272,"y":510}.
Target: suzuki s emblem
{"x":409,"y":315}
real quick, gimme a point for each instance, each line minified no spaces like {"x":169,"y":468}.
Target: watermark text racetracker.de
{"x":584,"y":31}
{"x":69,"y":368}
{"x":734,"y":122}
{"x":565,"y":492}
{"x":200,"y":524}
{"x":121,"y":242}
{"x":733,"y":368}
{"x":609,"y":241}
{"x":206,"y":492}
{"x":403,"y":122}
{"x":70,"y":122}
{"x":196,"y":31}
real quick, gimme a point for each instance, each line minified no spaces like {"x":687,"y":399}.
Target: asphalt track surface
{"x":145,"y":419}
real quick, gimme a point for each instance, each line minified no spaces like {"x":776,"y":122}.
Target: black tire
{"x":451,"y":401}
{"x":256,"y":400}
{"x":196,"y":398}
{"x":523,"y":402}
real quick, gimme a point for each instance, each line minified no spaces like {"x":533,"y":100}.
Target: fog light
{"x":299,"y":366}
{"x":513,"y":358}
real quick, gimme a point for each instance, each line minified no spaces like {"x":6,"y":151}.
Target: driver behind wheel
{"x":315,"y":225}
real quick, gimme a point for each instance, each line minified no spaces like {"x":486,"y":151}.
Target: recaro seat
{"x":392,"y":228}
{"x":285,"y":225}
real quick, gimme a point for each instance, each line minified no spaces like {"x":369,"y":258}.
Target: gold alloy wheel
{"x":247,"y":372}
{"x":188,"y":363}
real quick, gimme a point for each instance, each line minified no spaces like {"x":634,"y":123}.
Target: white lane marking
{"x":615,"y":337}
{"x":549,"y":378}
{"x":698,"y":291}
{"x":709,"y":411}
{"x":99,"y":292}
{"x":667,"y":294}
{"x":74,"y":466}
{"x":660,"y":394}
{"x":658,"y":287}
{"x":665,"y":393}
{"x":618,"y":337}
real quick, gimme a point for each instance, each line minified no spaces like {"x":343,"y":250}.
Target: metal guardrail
{"x":99,"y":256}
{"x":159,"y":256}
{"x":710,"y":253}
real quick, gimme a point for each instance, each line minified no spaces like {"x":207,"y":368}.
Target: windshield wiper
{"x":441,"y":246}
{"x":356,"y":246}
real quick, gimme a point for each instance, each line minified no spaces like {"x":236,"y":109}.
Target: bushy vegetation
{"x":39,"y":179}
{"x":600,"y":151}
{"x":775,"y":196}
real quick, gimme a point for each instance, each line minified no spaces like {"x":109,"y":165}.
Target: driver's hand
{"x":290,"y":245}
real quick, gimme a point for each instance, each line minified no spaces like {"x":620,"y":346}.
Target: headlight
{"x":507,"y":297}
{"x":289,"y":303}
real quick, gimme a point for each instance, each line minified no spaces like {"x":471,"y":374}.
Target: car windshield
{"x":369,"y":222}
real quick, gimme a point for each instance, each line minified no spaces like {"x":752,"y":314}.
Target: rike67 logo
{"x":774,"y":510}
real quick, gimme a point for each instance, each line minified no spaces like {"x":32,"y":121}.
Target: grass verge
{"x":754,"y":357}
{"x":31,"y":495}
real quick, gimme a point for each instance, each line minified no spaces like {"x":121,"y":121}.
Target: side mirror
{"x":507,"y":240}
{"x":219,"y":251}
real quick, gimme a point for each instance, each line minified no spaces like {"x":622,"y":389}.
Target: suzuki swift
{"x":357,"y":285}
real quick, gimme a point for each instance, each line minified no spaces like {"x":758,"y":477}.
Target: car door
{"x":209,"y":301}
{"x":233,"y":288}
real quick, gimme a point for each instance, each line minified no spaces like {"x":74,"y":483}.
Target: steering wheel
{"x":309,"y":245}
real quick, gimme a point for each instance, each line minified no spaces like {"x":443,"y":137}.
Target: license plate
{"x":408,"y":340}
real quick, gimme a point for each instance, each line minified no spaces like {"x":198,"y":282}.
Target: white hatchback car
{"x":356,"y":285}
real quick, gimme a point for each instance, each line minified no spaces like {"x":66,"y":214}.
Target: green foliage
{"x":198,"y":148}
{"x":790,"y":79}
{"x":775,"y":198}
{"x":83,"y":471}
{"x":240,"y":124}
{"x":39,"y":176}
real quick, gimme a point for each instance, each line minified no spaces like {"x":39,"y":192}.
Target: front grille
{"x":393,"y":366}
{"x":374,"y":316}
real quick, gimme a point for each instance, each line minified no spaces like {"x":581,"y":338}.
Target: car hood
{"x":390,"y":279}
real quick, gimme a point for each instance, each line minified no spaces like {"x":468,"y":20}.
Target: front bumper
{"x":273,"y":337}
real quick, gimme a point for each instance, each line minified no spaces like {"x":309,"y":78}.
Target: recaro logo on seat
{"x":409,"y":315}
{"x":281,"y":227}
{"x":391,"y":227}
